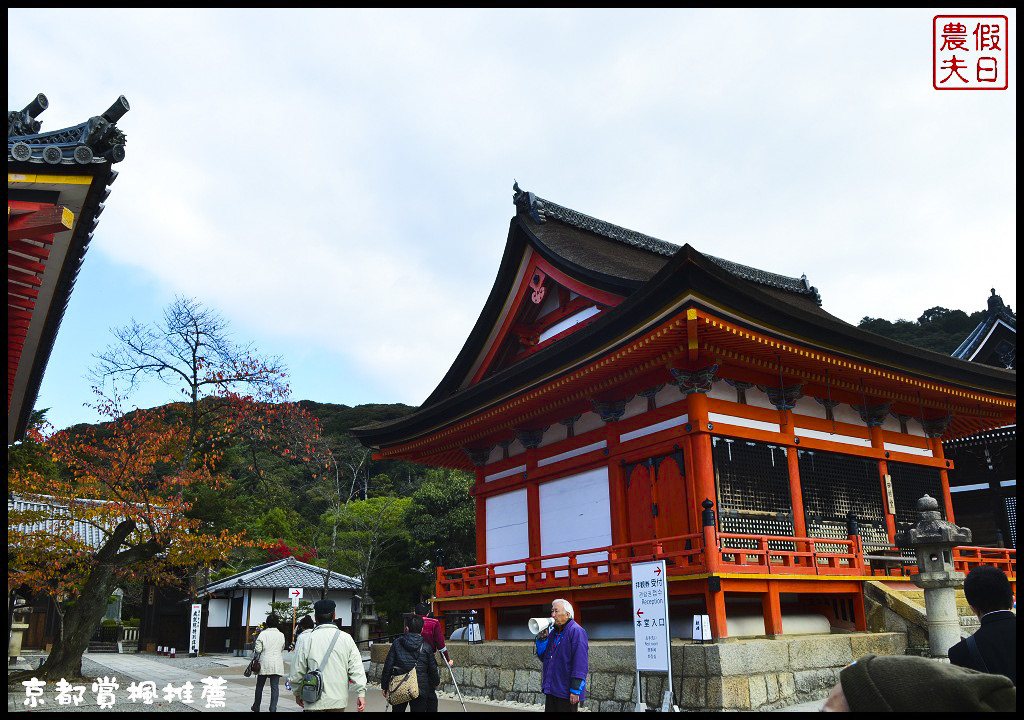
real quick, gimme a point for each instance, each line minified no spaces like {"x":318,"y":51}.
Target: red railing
{"x":684,"y":555}
{"x":965,"y":558}
{"x":790,"y":555}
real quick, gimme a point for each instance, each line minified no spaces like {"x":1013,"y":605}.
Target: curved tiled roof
{"x":287,"y":573}
{"x":540,"y":210}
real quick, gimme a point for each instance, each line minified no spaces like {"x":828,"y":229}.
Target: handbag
{"x":253,"y":666}
{"x":403,"y":688}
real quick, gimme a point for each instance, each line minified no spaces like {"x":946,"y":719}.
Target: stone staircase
{"x":95,"y":646}
{"x":899,"y":607}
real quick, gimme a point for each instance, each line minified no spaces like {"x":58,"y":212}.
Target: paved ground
{"x":237,"y":691}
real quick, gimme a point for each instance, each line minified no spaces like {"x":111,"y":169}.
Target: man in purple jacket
{"x":563,"y":651}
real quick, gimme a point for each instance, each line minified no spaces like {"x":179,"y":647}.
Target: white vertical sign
{"x":194,"y":625}
{"x":650,"y":616}
{"x":295,"y":594}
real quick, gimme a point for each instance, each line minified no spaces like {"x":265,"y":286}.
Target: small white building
{"x":236,"y":604}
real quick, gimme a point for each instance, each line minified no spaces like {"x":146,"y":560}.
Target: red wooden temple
{"x":623,"y":399}
{"x":56,"y":184}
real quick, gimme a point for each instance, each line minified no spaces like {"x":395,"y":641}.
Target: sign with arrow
{"x":650,"y":616}
{"x":295,"y":594}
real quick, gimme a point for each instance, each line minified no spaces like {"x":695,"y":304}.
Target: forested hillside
{"x":937,"y":329}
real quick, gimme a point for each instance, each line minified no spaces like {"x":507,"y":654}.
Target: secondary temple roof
{"x":655,"y":281}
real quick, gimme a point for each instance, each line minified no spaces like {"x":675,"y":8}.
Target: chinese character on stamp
{"x":970,"y":52}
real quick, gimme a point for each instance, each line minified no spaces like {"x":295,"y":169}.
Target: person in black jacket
{"x":408,"y":651}
{"x":995,"y":642}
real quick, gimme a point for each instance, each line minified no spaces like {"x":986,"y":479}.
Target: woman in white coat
{"x":270,"y":644}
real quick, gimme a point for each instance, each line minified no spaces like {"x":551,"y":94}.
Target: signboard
{"x":194,"y":625}
{"x":295,"y":594}
{"x":701,"y":628}
{"x":889,"y":495}
{"x":650,"y":616}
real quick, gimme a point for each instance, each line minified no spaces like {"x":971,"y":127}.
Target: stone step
{"x":103,"y":647}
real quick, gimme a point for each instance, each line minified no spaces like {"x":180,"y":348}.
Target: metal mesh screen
{"x":1011,"y":518}
{"x":909,"y":483}
{"x":752,"y":479}
{"x":832,"y":486}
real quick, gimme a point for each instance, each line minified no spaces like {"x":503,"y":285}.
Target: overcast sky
{"x":338,"y":183}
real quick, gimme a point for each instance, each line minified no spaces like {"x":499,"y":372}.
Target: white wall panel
{"x":507,"y":536}
{"x":575,"y":513}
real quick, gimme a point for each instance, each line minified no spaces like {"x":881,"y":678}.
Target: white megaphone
{"x":539,"y":625}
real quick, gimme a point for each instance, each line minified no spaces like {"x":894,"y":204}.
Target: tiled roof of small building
{"x":97,"y":140}
{"x":287,"y":573}
{"x":91,"y":535}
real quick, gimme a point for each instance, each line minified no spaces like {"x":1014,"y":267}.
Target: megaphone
{"x":539,"y":625}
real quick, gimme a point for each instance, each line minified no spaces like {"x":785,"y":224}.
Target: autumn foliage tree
{"x":126,"y":484}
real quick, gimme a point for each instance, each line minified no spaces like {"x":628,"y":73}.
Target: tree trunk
{"x":82,"y":618}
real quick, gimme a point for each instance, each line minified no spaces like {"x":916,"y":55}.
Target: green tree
{"x":442,"y":516}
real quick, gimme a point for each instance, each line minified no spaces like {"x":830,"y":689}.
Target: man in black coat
{"x":411,"y":651}
{"x":995,"y":642}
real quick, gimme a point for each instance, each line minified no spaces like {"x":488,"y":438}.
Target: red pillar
{"x":490,"y":621}
{"x":715,"y":602}
{"x":772,"y":610}
{"x":883,"y":469}
{"x":947,"y":497}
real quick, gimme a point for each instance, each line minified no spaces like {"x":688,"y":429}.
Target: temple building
{"x":984,"y":484}
{"x":623,"y":399}
{"x":57,"y":182}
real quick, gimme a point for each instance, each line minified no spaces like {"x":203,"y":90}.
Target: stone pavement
{"x":238,"y":690}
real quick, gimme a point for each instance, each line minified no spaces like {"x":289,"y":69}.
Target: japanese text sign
{"x":194,"y":626}
{"x":970,"y":52}
{"x":650,"y":616}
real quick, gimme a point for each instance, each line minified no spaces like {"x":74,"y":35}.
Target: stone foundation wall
{"x":742,"y":674}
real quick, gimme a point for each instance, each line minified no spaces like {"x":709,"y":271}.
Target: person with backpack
{"x":326,"y":664}
{"x":410,"y":651}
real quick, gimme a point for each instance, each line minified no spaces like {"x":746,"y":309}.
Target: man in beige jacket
{"x":342,"y":672}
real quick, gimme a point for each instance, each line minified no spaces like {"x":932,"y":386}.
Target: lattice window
{"x":832,"y":486}
{"x":752,"y":479}
{"x":909,"y":483}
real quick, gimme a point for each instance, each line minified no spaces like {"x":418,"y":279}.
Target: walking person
{"x":993,"y":647}
{"x":410,"y":651}
{"x":269,"y":645}
{"x":342,"y":668}
{"x":432,"y":631}
{"x":564,"y":652}
{"x":306,"y":623}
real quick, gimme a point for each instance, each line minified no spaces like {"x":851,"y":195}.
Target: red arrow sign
{"x":296,"y":593}
{"x":639,"y":613}
{"x":657,"y":571}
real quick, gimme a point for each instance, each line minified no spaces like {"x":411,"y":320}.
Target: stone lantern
{"x":933,"y":540}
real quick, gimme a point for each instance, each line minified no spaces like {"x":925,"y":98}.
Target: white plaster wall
{"x":575,"y":514}
{"x":914,"y":428}
{"x":219,"y":613}
{"x":587,"y":422}
{"x":892,"y":424}
{"x":496,"y":455}
{"x":809,"y":407}
{"x":721,"y":390}
{"x":635,"y":406}
{"x":556,"y":433}
{"x":668,"y":395}
{"x":846,"y":414}
{"x":516,"y":448}
{"x":507,"y":536}
{"x":758,"y":398}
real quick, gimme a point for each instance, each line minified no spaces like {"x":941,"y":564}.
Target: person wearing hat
{"x":903,"y":683}
{"x":343,"y":666}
